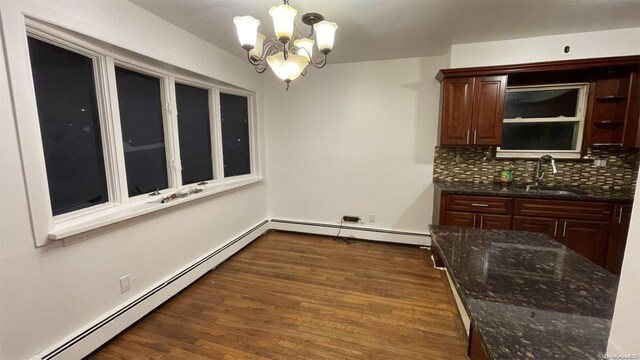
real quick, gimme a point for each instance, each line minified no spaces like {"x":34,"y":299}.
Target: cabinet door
{"x":455,"y":124}
{"x":535,"y":224}
{"x":618,"y":239}
{"x":632,"y":124}
{"x":488,"y":110}
{"x":494,"y":222}
{"x":460,"y":219}
{"x":587,"y":238}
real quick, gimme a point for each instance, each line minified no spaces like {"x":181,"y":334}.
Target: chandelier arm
{"x":271,"y":48}
{"x":261,"y":69}
{"x":320,"y":63}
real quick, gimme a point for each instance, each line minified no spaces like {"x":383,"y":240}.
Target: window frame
{"x":216,"y":156}
{"x":165,"y":101}
{"x":120,"y":207}
{"x":580,"y":118}
{"x":252,"y":132}
{"x":108,"y":147}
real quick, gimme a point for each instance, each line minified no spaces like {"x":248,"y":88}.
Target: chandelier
{"x":289,"y":54}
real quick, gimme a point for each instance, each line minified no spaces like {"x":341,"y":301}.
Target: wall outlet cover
{"x":125,"y":283}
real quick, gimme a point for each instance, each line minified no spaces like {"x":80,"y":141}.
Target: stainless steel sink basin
{"x":555,"y":191}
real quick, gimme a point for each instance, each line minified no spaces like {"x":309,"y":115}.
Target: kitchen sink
{"x":553,"y":191}
{"x":557,"y":192}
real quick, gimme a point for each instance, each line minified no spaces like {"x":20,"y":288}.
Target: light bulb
{"x":289,"y":69}
{"x":325,"y":34}
{"x":283,"y":16}
{"x":257,"y":50}
{"x":306,"y":47}
{"x":247,"y":28}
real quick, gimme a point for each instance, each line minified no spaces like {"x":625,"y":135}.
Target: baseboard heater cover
{"x":309,"y":225}
{"x":57,"y":351}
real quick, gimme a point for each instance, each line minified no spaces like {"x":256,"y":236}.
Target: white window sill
{"x":125,"y":212}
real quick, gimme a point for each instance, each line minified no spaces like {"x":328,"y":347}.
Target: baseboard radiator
{"x":91,"y":338}
{"x":357,"y":232}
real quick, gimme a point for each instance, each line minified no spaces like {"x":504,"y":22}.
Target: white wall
{"x":624,"y":338}
{"x":354,"y":139}
{"x":48,"y":293}
{"x":547,"y":48}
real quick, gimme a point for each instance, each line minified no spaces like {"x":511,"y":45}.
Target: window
{"x":114,"y":127}
{"x":140,"y":103}
{"x":194,"y":129}
{"x":68,"y":113}
{"x":235,"y":134}
{"x":547,"y":119}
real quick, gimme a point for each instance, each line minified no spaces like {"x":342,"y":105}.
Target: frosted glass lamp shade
{"x":257,"y":50}
{"x":289,"y":69}
{"x":325,"y":34}
{"x":247,"y":28}
{"x":283,"y":16}
{"x":305,"y":47}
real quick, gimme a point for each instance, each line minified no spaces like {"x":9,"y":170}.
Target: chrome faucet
{"x":539,"y":175}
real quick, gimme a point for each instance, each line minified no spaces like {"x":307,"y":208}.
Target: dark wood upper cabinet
{"x":472,"y":110}
{"x":456,"y":111}
{"x":488,"y":109}
{"x":473,"y":99}
{"x":613,"y":109}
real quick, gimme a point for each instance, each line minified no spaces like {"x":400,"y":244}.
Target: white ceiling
{"x":387,"y":29}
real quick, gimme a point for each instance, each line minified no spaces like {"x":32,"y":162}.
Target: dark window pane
{"x":541,"y":103}
{"x":70,"y":127}
{"x":140,"y":105}
{"x":539,"y":136}
{"x":195,"y":133}
{"x":235,"y":134}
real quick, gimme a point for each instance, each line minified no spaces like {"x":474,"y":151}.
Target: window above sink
{"x":544,"y":119}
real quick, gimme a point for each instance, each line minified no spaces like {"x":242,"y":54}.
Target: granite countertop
{"x":529,"y":296}
{"x":624,"y":195}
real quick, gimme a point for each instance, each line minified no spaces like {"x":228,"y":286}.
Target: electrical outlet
{"x":372,"y":218}
{"x":125,"y":284}
{"x":600,"y":162}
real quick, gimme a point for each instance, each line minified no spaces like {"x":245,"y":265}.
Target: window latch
{"x":155,"y":193}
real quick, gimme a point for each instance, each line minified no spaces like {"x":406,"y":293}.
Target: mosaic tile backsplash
{"x":474,"y":164}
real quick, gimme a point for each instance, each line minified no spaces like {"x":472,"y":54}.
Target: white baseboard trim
{"x":358,"y":232}
{"x":94,"y":335}
{"x":89,"y":338}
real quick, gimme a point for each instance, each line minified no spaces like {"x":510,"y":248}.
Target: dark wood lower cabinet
{"x":534,"y":224}
{"x":595,"y":230}
{"x":494,"y":222}
{"x":587,"y":238}
{"x":478,"y":221}
{"x":454,"y":218}
{"x":475,"y":350}
{"x":618,"y":239}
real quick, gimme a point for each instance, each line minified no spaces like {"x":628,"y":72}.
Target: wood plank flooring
{"x":295,"y":296}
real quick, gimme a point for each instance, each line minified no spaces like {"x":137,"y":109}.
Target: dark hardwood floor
{"x":294,"y":296}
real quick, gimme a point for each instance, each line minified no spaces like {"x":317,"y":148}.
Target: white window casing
{"x":579,"y":120}
{"x":120,"y":206}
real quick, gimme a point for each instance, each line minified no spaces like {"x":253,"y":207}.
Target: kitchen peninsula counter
{"x":527,"y":295}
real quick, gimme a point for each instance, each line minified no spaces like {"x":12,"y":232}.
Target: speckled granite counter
{"x":585,"y":193}
{"x":529,"y":296}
